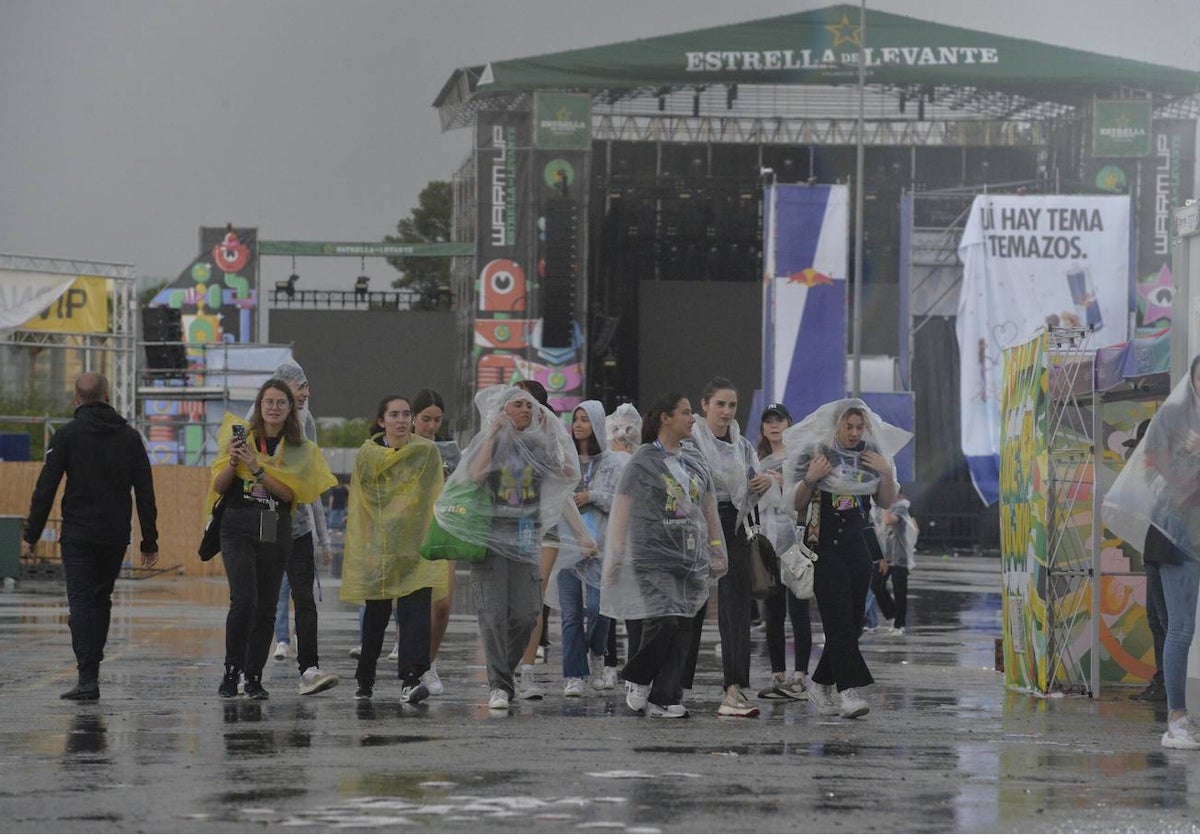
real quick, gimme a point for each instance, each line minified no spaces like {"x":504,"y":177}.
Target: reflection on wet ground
{"x":945,"y":747}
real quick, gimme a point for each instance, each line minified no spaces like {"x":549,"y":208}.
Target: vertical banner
{"x":505,"y":306}
{"x":804,"y":295}
{"x":1164,"y":183}
{"x":1022,"y":493}
{"x":1030,"y":262}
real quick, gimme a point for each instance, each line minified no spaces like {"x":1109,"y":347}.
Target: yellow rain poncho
{"x":392,"y":492}
{"x":301,"y":468}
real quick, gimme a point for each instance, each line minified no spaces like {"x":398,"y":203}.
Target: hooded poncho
{"x":1160,"y":483}
{"x":660,"y":536}
{"x":390,"y":505}
{"x":523,"y":477}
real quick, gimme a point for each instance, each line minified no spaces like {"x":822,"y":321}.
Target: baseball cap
{"x":778,"y":409}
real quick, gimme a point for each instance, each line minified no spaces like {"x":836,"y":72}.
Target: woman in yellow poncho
{"x":262,"y":472}
{"x":397,"y":477}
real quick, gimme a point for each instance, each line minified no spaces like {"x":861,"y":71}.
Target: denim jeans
{"x":91,"y":571}
{"x":254,"y":571}
{"x":584,"y":630}
{"x":1180,"y":583}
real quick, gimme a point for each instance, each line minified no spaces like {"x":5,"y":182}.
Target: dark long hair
{"x":591,"y":445}
{"x":536,"y":389}
{"x":423,"y":400}
{"x":292,"y":433}
{"x":717,"y":383}
{"x":652,"y":421}
{"x":376,"y":427}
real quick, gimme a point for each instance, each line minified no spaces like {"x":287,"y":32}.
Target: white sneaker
{"x":498,"y":699}
{"x":415,"y":693}
{"x":735,"y":704}
{"x":853,"y":706}
{"x":824,"y":698}
{"x":527,"y":687}
{"x":1180,"y":735}
{"x":540,"y":656}
{"x":314,"y":680}
{"x":356,"y":651}
{"x":896,"y":631}
{"x":432,"y":681}
{"x":797,"y":687}
{"x":282,"y":651}
{"x":636,"y":696}
{"x":675,"y":710}
{"x":596,"y":669}
{"x":609,"y":679}
{"x":395,"y":654}
{"x":573,"y":687}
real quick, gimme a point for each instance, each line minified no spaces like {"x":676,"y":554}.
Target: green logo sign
{"x":1121,"y":128}
{"x":562,"y":121}
{"x":558,"y":174}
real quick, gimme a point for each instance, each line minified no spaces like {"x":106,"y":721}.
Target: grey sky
{"x":128,"y":124}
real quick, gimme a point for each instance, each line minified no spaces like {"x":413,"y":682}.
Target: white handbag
{"x":796,"y":569}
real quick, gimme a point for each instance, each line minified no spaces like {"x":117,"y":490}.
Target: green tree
{"x":429,"y":222}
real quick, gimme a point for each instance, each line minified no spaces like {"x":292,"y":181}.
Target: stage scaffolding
{"x":119,"y":343}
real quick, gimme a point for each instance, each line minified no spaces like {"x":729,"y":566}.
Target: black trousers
{"x":661,"y":657}
{"x":254,"y":570}
{"x":693,"y":654}
{"x":896,"y":608}
{"x":840,"y":584}
{"x":301,"y":572}
{"x":91,"y":571}
{"x":733,"y":601}
{"x":412,"y":616}
{"x":784,"y":603}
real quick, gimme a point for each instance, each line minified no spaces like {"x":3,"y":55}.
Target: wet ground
{"x":945,"y":747}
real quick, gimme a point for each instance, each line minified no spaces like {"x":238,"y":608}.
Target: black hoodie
{"x":103,"y":457}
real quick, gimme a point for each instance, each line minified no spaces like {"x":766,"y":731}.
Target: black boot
{"x":229,"y":684}
{"x":254,"y":688}
{"x":85,"y":689}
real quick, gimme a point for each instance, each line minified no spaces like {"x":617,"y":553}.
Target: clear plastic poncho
{"x":389,"y":509}
{"x":776,"y":514}
{"x":1160,"y":483}
{"x":732,"y":464}
{"x":524,"y":477}
{"x":302,"y":468}
{"x":600,"y":476}
{"x":817,"y":433}
{"x":898,"y":541}
{"x":624,"y":426}
{"x":660,"y":537}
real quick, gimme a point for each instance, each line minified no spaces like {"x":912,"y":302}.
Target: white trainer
{"x":573,"y":687}
{"x":824,"y":698}
{"x":498,"y":699}
{"x":1180,"y":735}
{"x":395,"y":654}
{"x":596,"y":668}
{"x":314,"y":680}
{"x":356,"y":651}
{"x":636,"y":696}
{"x":282,"y":651}
{"x":675,"y":710}
{"x":853,"y":706}
{"x":527,"y":687}
{"x":609,"y":680}
{"x":432,"y":681}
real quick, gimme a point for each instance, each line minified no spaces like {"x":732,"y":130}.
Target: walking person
{"x":397,"y":476}
{"x":264,"y":469}
{"x":839,"y":460}
{"x":1158,"y":489}
{"x":624,"y":431}
{"x":664,"y":542}
{"x":522,"y":468}
{"x":103,"y":458}
{"x":301,"y":572}
{"x":739,"y":482}
{"x":575,"y":578}
{"x":898,"y":537}
{"x":778,"y":519}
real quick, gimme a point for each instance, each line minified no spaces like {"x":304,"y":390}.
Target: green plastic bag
{"x":469,"y":506}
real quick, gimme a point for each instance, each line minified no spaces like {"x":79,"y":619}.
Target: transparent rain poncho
{"x":600,"y":476}
{"x":519,"y":478}
{"x":732,"y":463}
{"x":817,"y":434}
{"x":389,"y":508}
{"x":899,"y":541}
{"x":624,"y":426}
{"x":1160,"y":483}
{"x":663,"y":535}
{"x":776,"y":514}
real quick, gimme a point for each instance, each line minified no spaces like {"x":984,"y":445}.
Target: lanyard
{"x":277,"y":458}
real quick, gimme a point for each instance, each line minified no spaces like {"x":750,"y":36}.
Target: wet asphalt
{"x":945,"y":747}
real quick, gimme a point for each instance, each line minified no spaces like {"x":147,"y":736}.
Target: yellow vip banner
{"x":82,"y":308}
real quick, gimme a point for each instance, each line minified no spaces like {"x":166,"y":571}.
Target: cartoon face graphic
{"x":230,"y":255}
{"x":502,"y":287}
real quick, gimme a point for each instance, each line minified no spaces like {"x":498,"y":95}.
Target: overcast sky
{"x":125,"y":125}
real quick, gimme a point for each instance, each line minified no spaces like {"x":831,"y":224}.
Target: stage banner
{"x":1164,"y":183}
{"x":1121,"y":127}
{"x":1030,"y":262}
{"x":562,"y":121}
{"x":506,"y":305}
{"x":82,"y":308}
{"x":23,"y":294}
{"x":1022,"y":493}
{"x":804,"y":295}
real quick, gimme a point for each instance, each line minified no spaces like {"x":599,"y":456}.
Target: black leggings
{"x":783,"y":601}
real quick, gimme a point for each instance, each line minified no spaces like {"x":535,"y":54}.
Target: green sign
{"x":364,"y":249}
{"x":562,"y":121}
{"x":1121,"y":128}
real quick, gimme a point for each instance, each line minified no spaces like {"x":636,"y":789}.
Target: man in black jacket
{"x":103,"y":457}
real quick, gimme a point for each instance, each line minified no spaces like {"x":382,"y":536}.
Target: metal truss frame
{"x":121,"y":340}
{"x":1071,"y":572}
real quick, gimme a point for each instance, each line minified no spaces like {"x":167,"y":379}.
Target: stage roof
{"x":818,"y":47}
